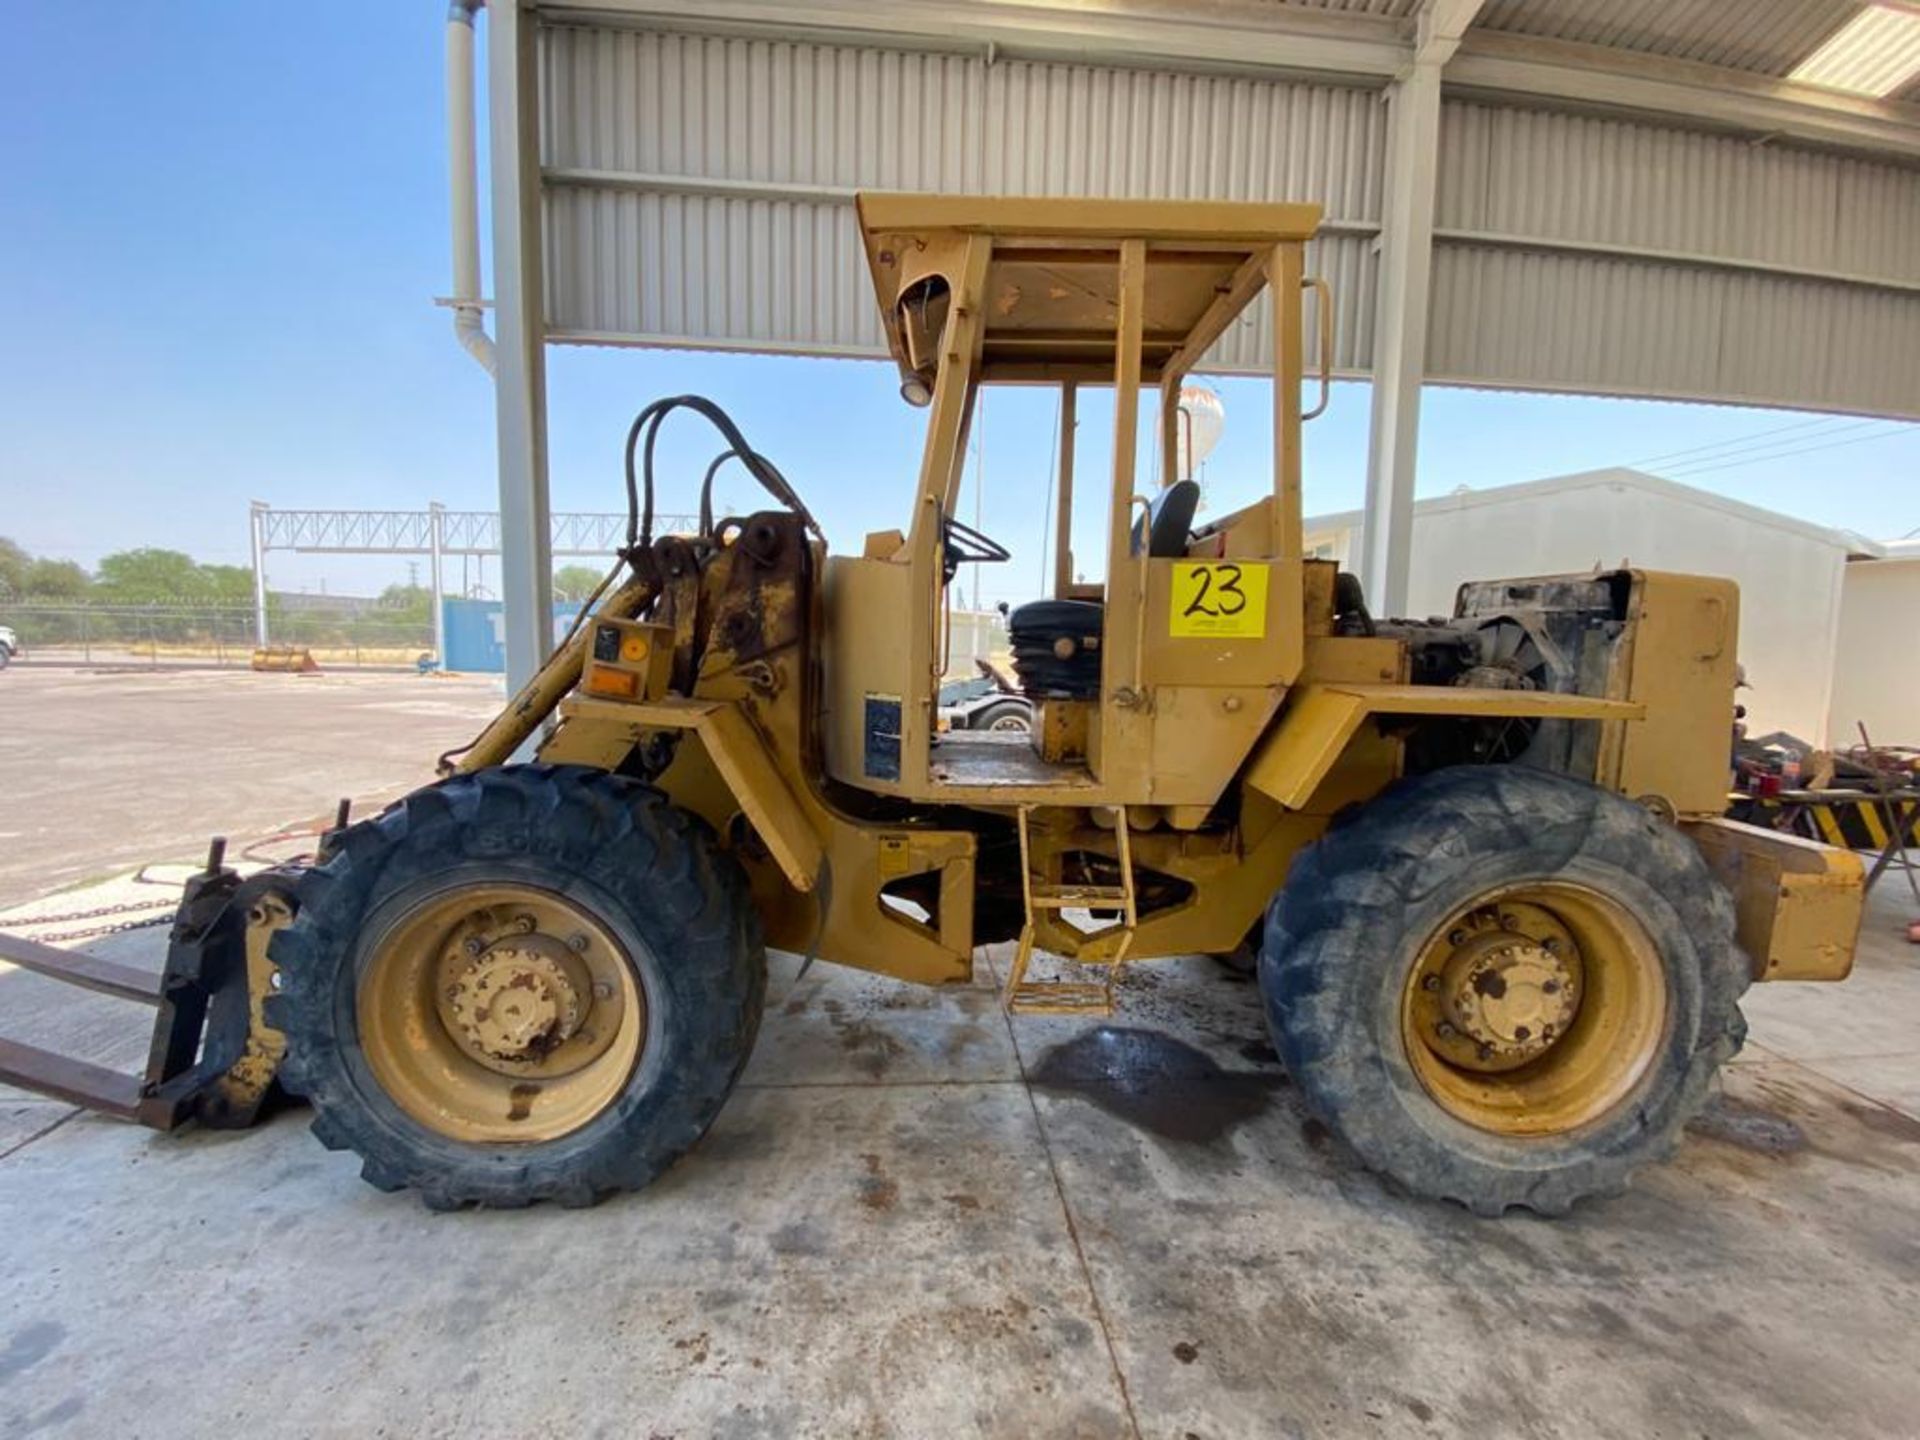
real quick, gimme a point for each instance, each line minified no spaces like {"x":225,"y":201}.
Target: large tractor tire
{"x":1503,"y":987}
{"x":529,"y":983}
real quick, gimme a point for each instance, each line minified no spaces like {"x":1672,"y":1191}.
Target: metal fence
{"x":974,"y":634}
{"x":184,"y":634}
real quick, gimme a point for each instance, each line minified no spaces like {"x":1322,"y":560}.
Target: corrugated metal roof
{"x":1634,"y":185}
{"x":698,"y":190}
{"x":1764,"y":37}
{"x":1380,"y":9}
{"x":704,"y":180}
{"x":1605,"y":325}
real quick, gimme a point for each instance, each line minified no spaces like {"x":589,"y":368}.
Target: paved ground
{"x":101,"y":769}
{"x":917,"y":1219}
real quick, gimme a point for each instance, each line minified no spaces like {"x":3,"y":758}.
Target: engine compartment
{"x":1561,"y":635}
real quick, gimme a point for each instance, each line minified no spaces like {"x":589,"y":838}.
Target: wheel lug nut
{"x":1485,"y":1052}
{"x":1432,"y":982}
{"x":475,"y":945}
{"x":577,"y":943}
{"x":1444,"y":1030}
{"x":1550,"y":987}
{"x":602,"y":990}
{"x":1458,"y":937}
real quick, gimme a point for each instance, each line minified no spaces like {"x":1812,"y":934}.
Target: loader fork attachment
{"x":211,"y":1056}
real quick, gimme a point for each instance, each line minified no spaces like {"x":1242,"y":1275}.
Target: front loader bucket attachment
{"x":211,"y":1057}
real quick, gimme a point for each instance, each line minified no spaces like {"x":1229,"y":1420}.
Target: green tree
{"x":575,"y":582}
{"x":14,"y":564}
{"x":55,"y":580}
{"x":137,"y":577}
{"x":228,"y":584}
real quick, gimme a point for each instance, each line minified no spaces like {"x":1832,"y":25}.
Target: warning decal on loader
{"x":1219,"y":598}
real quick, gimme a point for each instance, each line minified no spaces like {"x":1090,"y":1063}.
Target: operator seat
{"x":1056,"y":643}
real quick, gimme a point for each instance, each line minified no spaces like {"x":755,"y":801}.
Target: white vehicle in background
{"x":9,"y":646}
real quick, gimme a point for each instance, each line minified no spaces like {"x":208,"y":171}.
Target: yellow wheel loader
{"x":1502,"y":929}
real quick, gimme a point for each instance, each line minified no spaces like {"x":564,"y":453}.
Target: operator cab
{"x":1189,"y":640}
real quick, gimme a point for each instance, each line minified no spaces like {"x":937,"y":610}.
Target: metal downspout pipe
{"x":463,"y":185}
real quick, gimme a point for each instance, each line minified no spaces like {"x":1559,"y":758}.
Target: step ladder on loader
{"x":1041,"y":894}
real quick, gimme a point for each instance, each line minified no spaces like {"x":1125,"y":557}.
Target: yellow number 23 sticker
{"x":1218,"y":598}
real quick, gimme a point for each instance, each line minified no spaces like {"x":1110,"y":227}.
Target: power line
{"x":1736,"y":440}
{"x":1804,"y":450}
{"x":1765,"y":447}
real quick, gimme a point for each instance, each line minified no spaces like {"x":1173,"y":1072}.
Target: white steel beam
{"x":1400,"y":316}
{"x":1563,"y":74}
{"x":436,"y":537}
{"x":1236,"y":34}
{"x":256,"y":528}
{"x":520,"y":375}
{"x":1240,"y":33}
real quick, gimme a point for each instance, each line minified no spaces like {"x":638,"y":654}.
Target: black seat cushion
{"x":1168,"y":523}
{"x":1056,"y":648}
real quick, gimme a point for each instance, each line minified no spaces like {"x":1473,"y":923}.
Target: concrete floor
{"x":101,"y":770}
{"x":917,"y":1219}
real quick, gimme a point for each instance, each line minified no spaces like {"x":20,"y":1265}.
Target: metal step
{"x":1070,"y":997}
{"x":1060,"y":997}
{"x":1078,"y":897}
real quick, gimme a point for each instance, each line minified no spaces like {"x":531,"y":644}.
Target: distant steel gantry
{"x":435,"y":532}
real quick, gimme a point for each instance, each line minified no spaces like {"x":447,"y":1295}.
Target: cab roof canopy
{"x":1051,"y":292}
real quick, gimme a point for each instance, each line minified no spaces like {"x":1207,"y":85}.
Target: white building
{"x":1876,"y":680}
{"x":1795,"y":583}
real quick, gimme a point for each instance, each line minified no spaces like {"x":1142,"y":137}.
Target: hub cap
{"x":514,"y":1004}
{"x":1535,"y":1009}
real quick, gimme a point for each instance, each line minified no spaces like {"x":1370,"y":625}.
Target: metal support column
{"x":526,"y":567}
{"x":1400,"y":317}
{"x":436,"y":542}
{"x":256,"y":526}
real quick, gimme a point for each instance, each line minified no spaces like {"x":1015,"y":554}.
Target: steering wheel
{"x":963,"y":545}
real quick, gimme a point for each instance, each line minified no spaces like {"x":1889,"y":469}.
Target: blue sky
{"x":225,"y":226}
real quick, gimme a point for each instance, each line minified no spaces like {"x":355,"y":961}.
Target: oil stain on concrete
{"x":1156,"y":1083}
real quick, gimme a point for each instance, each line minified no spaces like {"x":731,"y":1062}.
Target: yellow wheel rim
{"x":496,"y":1014}
{"x":1535,"y":1009}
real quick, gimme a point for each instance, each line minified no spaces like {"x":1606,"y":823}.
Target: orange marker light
{"x":616,"y":684}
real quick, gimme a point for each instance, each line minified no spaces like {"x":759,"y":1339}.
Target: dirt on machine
{"x":1502,"y":928}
